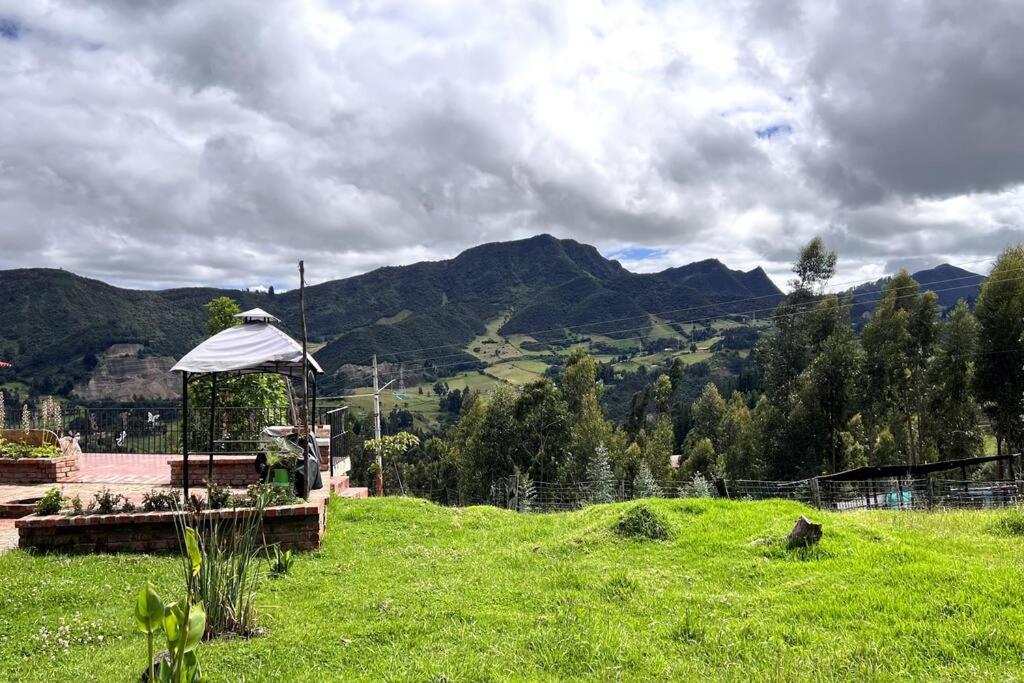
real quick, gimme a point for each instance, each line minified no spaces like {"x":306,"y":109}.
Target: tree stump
{"x":805,"y":534}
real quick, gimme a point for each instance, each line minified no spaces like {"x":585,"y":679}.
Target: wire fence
{"x":524,"y":495}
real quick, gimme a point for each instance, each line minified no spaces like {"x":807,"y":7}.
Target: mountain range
{"x":66,"y":334}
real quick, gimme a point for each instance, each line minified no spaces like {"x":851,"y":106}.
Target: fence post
{"x":815,"y":492}
{"x":931,"y":492}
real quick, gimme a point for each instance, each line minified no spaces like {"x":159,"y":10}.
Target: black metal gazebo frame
{"x":286,"y":369}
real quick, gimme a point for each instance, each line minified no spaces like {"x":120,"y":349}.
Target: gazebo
{"x":255,"y":346}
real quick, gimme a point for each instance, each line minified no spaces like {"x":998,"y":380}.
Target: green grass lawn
{"x":518,"y":372}
{"x":406,"y":590}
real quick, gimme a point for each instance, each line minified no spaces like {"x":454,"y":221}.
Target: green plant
{"x":701,"y":488}
{"x":1010,"y":523}
{"x":264,"y":495}
{"x":51,"y":502}
{"x":226,"y":578}
{"x":279,"y":561}
{"x":106,"y":502}
{"x":160,"y":501}
{"x":15,"y":450}
{"x":149,"y":616}
{"x":183,"y":625}
{"x":76,"y":505}
{"x":217,"y":495}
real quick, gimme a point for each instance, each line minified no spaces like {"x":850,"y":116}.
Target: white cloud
{"x":155,"y":144}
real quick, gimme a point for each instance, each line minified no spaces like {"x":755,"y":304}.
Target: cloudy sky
{"x":153,"y":143}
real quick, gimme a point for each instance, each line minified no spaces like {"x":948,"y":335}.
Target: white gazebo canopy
{"x":254,"y":346}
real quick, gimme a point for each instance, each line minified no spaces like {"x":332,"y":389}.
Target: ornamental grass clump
{"x":228,"y":580}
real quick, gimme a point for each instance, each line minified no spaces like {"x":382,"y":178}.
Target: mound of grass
{"x":641,"y":523}
{"x":1009,"y":523}
{"x":405,"y":590}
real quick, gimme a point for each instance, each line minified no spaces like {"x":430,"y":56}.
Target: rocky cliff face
{"x":122,"y":375}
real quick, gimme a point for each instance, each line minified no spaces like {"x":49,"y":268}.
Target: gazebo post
{"x":184,"y":433}
{"x":213,"y":419}
{"x":316,"y":444}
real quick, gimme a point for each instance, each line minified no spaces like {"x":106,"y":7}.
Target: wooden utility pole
{"x":305,"y":379}
{"x":376,"y":427}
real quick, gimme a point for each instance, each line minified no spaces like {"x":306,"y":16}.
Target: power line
{"x":805,"y":308}
{"x":730,"y":303}
{"x":808,"y":305}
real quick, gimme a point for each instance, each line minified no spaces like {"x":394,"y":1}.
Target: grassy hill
{"x":406,"y":590}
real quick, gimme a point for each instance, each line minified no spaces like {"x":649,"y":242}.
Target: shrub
{"x":11,"y":449}
{"x":106,"y":502}
{"x":266,"y":495}
{"x":640,"y":522}
{"x":50,"y":503}
{"x":217,"y":496}
{"x":644,"y":484}
{"x":160,"y":501}
{"x":701,"y":486}
{"x":600,"y":487}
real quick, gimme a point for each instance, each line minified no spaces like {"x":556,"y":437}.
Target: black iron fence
{"x":156,"y":429}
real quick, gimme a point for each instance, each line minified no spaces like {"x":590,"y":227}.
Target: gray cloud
{"x":158,"y":144}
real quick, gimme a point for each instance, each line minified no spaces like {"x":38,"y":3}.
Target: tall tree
{"x":830,"y":384}
{"x":952,"y":415}
{"x":589,"y":428}
{"x":897,"y":342}
{"x":999,"y":370}
{"x":543,"y":418}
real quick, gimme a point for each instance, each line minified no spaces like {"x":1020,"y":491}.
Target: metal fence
{"x":918,"y":494}
{"x":158,"y":428}
{"x":517,"y":493}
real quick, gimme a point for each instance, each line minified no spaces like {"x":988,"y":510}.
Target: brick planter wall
{"x":38,"y":470}
{"x":14,"y":509}
{"x":294,"y":527}
{"x":234,"y":471}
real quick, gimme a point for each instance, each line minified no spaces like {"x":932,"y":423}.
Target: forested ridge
{"x":916,"y":384}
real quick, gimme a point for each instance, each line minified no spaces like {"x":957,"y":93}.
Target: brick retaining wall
{"x":234,"y":471}
{"x":294,"y":527}
{"x":38,"y":470}
{"x":14,"y":509}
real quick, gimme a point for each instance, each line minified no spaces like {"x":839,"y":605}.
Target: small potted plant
{"x":280,"y":463}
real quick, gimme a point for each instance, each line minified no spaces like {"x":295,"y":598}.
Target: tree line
{"x":915,"y":385}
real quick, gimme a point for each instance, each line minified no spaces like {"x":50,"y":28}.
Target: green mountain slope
{"x":54,"y":324}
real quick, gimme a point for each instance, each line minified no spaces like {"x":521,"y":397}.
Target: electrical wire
{"x":406,"y":357}
{"x":800,"y":309}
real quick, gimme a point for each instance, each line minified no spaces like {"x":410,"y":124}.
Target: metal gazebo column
{"x":184,"y":432}
{"x":213,"y":419}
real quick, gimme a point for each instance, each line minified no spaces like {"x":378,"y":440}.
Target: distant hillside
{"x":949,"y":283}
{"x":57,"y":326}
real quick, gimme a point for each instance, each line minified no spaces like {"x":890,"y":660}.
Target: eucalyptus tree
{"x":999,"y":367}
{"x":952,"y":416}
